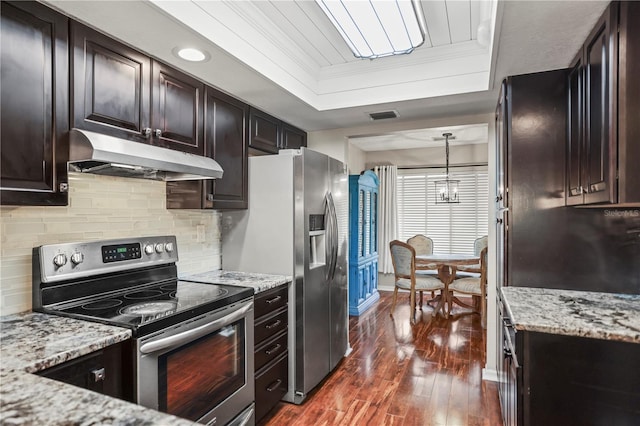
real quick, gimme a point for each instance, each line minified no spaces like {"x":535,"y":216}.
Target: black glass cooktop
{"x":145,"y":309}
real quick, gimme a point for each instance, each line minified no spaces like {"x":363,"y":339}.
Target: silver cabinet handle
{"x":273,"y":300}
{"x":98,"y":375}
{"x":273,"y":349}
{"x":158,"y":133}
{"x":146,"y":132}
{"x":189,"y":335}
{"x":273,"y":386}
{"x":273,"y":324}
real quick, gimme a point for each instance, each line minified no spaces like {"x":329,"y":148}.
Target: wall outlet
{"x":200,"y":234}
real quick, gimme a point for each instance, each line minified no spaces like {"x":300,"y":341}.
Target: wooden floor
{"x":399,"y":374}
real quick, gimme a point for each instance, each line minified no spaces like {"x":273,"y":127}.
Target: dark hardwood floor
{"x":399,"y":374}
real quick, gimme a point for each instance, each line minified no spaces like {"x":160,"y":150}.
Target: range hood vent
{"x":91,"y":152}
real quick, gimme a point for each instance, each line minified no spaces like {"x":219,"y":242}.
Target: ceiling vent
{"x":383,"y":115}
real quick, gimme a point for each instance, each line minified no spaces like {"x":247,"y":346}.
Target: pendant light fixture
{"x":447,"y":189}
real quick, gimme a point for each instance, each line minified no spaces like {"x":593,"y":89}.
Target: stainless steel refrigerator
{"x":297,"y":224}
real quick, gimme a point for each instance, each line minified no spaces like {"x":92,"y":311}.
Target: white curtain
{"x":387,"y":223}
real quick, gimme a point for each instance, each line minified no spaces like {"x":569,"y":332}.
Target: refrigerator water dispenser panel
{"x":317,"y":252}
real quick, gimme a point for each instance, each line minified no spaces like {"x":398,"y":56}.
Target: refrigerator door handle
{"x":328,"y":248}
{"x":335,"y":237}
{"x":332,"y":232}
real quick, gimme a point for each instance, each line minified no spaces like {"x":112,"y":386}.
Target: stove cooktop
{"x":149,"y":308}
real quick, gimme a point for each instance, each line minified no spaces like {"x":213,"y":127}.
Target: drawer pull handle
{"x":273,"y":386}
{"x":273,"y":349}
{"x":273,"y":324}
{"x":98,"y":375}
{"x":275,"y":299}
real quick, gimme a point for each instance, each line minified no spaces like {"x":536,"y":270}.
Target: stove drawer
{"x":271,"y":385}
{"x":270,"y":350}
{"x":270,"y":326}
{"x":270,"y":301}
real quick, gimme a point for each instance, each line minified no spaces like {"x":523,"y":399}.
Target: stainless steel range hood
{"x":91,"y":152}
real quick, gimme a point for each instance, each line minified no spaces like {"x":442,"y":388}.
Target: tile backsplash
{"x":101,"y":207}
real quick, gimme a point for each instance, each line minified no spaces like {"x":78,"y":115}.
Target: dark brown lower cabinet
{"x":108,"y":371}
{"x":271,"y":350}
{"x":570,"y":380}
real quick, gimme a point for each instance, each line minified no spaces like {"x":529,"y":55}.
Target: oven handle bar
{"x":189,"y":335}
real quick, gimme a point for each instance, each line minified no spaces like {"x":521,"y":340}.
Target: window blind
{"x":452,"y":227}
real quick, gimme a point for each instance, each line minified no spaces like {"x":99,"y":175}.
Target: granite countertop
{"x":259,"y":282}
{"x":574,"y":313}
{"x":31,"y":342}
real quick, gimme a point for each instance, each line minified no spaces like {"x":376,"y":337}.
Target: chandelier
{"x":447,"y":189}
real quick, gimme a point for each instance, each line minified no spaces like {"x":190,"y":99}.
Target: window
{"x":452,"y":227}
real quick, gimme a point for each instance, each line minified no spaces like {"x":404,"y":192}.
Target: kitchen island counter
{"x":31,"y":342}
{"x":259,"y":282}
{"x":607,"y":316}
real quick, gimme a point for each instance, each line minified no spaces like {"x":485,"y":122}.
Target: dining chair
{"x":424,"y":245}
{"x":403,"y":257}
{"x":478,"y":245}
{"x":474,"y":286}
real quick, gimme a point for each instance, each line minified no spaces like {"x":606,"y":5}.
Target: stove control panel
{"x":58,"y":262}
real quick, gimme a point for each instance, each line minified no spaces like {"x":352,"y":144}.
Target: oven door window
{"x":197,"y":376}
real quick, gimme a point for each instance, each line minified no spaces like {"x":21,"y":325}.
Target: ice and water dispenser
{"x":317,"y":252}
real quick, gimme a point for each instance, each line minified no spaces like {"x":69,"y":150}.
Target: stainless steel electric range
{"x":193,"y":341}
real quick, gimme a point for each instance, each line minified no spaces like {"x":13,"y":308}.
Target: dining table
{"x":446,"y":264}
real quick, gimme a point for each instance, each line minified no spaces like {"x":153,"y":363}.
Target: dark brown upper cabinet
{"x":35,"y":95}
{"x":111,"y":86}
{"x":265,"y":131}
{"x":601,"y":135}
{"x":177,"y":110}
{"x":267,"y":134}
{"x":292,"y":137}
{"x":124,"y":93}
{"x":226,"y":130}
{"x":226,"y":142}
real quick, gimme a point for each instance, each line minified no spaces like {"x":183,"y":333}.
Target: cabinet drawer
{"x":270,"y":326}
{"x":270,"y":350}
{"x":271,"y":385}
{"x":270,"y":301}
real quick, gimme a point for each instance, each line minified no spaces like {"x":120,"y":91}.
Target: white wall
{"x":100,"y":207}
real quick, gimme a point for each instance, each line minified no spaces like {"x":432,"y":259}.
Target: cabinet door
{"x":600,"y":59}
{"x":177,"y":110}
{"x":35,"y":93}
{"x":292,"y":137}
{"x":226,"y":142}
{"x":110,"y":86}
{"x":264,"y":132}
{"x":575,"y":114}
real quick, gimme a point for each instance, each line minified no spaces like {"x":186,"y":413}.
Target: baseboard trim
{"x":489,"y":374}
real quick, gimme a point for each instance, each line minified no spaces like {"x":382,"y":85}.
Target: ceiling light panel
{"x":377,"y":28}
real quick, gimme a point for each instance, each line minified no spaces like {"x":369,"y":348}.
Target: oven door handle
{"x":189,"y":335}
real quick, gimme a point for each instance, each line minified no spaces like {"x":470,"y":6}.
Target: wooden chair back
{"x":421,"y":243}
{"x":403,"y":257}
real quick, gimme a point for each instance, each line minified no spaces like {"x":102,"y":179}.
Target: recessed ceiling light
{"x":190,"y":54}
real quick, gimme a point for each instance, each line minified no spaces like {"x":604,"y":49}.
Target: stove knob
{"x":77,"y":258}
{"x":60,"y":260}
{"x":148,"y":249}
{"x":159,"y":248}
{"x":168,"y":247}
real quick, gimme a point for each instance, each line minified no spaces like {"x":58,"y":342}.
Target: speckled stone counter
{"x":575,"y":313}
{"x":259,"y":282}
{"x":32,"y":400}
{"x":31,"y":342}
